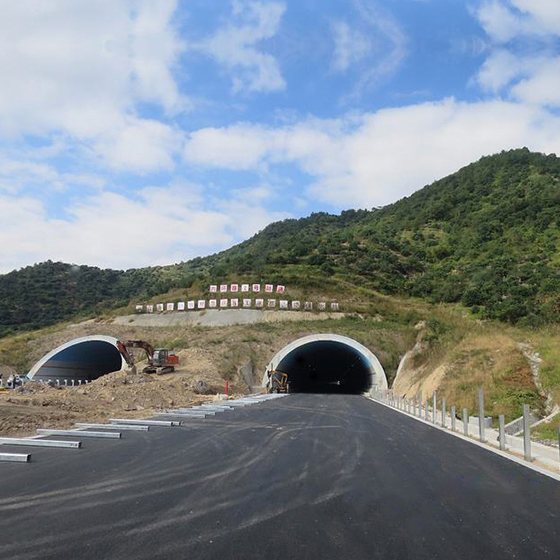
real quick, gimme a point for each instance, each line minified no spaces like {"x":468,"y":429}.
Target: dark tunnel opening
{"x":84,"y":361}
{"x":326,"y":367}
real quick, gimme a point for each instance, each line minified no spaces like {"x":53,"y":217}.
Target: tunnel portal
{"x":82,"y":359}
{"x":326,"y":367}
{"x":328,"y":363}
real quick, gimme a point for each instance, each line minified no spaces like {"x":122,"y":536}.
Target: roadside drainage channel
{"x":513,"y":452}
{"x":113,"y":430}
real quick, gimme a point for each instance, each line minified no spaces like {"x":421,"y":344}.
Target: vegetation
{"x":487,"y":237}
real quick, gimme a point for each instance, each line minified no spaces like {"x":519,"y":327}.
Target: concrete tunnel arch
{"x":328,"y":363}
{"x":80,"y":359}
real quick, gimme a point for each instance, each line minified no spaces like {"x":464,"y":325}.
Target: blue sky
{"x":146,"y":132}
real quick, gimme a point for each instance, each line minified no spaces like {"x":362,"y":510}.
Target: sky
{"x":147,"y":132}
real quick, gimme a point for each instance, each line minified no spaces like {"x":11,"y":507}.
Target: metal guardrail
{"x":419,"y":408}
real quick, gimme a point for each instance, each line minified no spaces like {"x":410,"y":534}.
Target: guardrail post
{"x":526,"y":433}
{"x":443,"y":413}
{"x":502,"y":431}
{"x":453,"y":418}
{"x":434,"y":407}
{"x":465,"y":421}
{"x":481,"y":430}
{"x":426,"y":411}
{"x":72,"y":383}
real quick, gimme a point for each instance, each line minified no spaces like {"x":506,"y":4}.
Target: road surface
{"x":302,"y":477}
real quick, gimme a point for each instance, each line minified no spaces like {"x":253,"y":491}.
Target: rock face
{"x":412,"y":376}
{"x":200,"y":387}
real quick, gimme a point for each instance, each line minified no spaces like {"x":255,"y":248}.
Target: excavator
{"x":279,"y":382}
{"x":160,"y":360}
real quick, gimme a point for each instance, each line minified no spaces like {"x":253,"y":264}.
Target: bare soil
{"x":121,"y":394}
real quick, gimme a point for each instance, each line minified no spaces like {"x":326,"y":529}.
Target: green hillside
{"x":486,"y":236}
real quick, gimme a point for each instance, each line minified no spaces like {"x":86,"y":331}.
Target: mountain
{"x":487,"y":236}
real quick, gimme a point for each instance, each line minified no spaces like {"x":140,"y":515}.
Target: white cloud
{"x":530,"y":76}
{"x":235,"y":46}
{"x":80,"y":68}
{"x":390,"y":40}
{"x":18,"y":174}
{"x":159,"y":225}
{"x":350,"y":46}
{"x":376,"y":158}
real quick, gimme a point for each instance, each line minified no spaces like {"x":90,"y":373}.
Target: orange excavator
{"x":160,"y":360}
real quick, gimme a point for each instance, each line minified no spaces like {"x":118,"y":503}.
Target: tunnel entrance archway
{"x":328,"y":363}
{"x":81,"y":359}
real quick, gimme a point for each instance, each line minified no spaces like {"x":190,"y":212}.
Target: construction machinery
{"x":279,"y":382}
{"x":160,"y":360}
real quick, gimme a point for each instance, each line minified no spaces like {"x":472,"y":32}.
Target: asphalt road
{"x":302,"y":477}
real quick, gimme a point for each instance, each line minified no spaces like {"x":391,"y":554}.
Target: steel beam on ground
{"x":180,"y":415}
{"x":41,"y":443}
{"x":81,"y":434}
{"x":214,"y":407}
{"x":15,"y":457}
{"x":193,"y":411}
{"x":129,"y":427}
{"x":161,"y":423}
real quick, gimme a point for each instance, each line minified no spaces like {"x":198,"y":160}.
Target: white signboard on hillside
{"x":181,"y":306}
{"x":201,"y":304}
{"x":247,"y":303}
{"x":245,"y":288}
{"x":191,"y":305}
{"x":159,"y":307}
{"x":213,"y":303}
{"x":234,"y":302}
{"x":283,"y":304}
{"x":150,"y":308}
